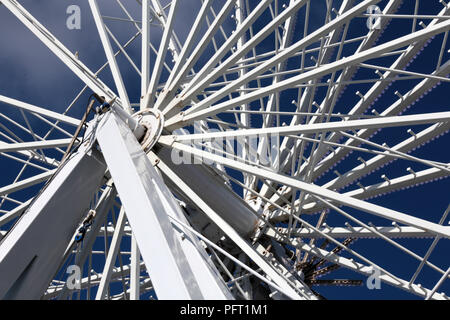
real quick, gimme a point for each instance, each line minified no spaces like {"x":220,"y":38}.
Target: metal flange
{"x":153,"y":121}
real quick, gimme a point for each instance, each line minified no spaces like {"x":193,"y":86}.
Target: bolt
{"x":359,"y":94}
{"x":398,"y":94}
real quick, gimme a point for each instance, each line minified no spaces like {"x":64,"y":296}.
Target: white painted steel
{"x":161,"y":247}
{"x":217,"y":195}
{"x":313,"y":189}
{"x":110,"y":55}
{"x":31,"y":251}
{"x":242,"y":243}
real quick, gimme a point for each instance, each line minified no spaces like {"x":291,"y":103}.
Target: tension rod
{"x":77,"y":132}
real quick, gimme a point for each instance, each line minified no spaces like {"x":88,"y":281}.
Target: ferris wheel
{"x":275,"y":149}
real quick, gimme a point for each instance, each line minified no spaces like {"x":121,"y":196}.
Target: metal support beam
{"x":204,"y":108}
{"x":157,"y":70}
{"x":395,"y":121}
{"x":56,"y":290}
{"x":111,"y":258}
{"x":35,"y":246}
{"x":145,"y":50}
{"x":207,"y":74}
{"x":288,"y":52}
{"x":64,"y":54}
{"x":8,"y":147}
{"x":25,"y":183}
{"x":199,"y":49}
{"x":232,"y":234}
{"x":316,"y":190}
{"x":359,"y":232}
{"x":217,"y":195}
{"x":102,"y":207}
{"x":358,"y":267}
{"x":14,"y":213}
{"x":177,"y":268}
{"x":39,"y":110}
{"x":110,"y":56}
{"x":180,"y":62}
{"x":135,"y":270}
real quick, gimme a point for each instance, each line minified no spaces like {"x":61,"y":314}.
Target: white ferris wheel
{"x":276,"y":149}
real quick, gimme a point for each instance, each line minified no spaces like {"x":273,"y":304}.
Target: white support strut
{"x":169,"y":259}
{"x":32,"y":251}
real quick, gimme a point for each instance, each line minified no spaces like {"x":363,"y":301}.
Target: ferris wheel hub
{"x":153,"y":122}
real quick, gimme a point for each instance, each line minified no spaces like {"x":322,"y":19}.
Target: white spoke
{"x":145,"y":50}
{"x":59,"y":49}
{"x":163,"y":47}
{"x":196,"y":113}
{"x":8,"y":147}
{"x":323,"y":127}
{"x":39,"y":110}
{"x":110,"y":55}
{"x":235,"y":237}
{"x":315,"y":190}
{"x":112,"y":255}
